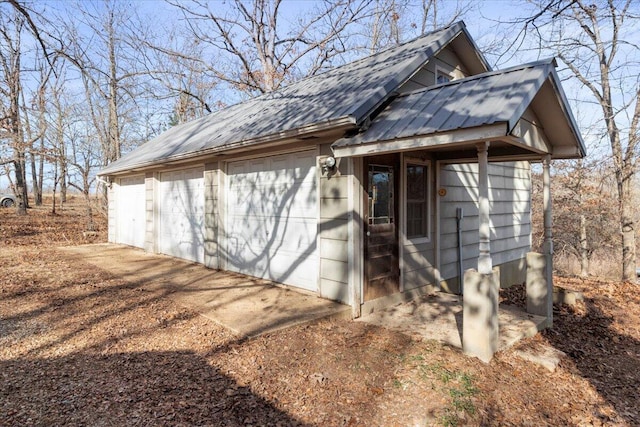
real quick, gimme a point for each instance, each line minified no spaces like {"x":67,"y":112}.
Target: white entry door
{"x":271,"y":219}
{"x":181,"y":219}
{"x":130,"y":211}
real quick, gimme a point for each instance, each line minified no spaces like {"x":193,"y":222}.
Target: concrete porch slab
{"x":246,"y":305}
{"x":439,"y":317}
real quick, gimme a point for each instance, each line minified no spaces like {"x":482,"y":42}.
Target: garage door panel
{"x":182,"y":214}
{"x":271,"y":218}
{"x":262,"y":234}
{"x":131,"y":211}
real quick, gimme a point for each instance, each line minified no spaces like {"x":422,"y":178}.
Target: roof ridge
{"x":350,"y":63}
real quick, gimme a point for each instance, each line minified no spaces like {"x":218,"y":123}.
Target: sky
{"x":485,"y":24}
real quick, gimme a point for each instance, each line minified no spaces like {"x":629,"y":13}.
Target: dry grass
{"x":603,"y":265}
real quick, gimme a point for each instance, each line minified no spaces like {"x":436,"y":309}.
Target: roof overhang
{"x":330,"y":131}
{"x":527,"y":125}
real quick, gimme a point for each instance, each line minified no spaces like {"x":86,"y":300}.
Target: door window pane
{"x":380,"y":194}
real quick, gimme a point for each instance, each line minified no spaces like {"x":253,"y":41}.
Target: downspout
{"x":459,"y":217}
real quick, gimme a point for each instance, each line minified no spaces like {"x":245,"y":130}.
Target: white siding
{"x":271,"y":218}
{"x":447,"y":61}
{"x":182,"y":214}
{"x":418,"y":256}
{"x":510,"y":204}
{"x":129,"y":211}
{"x":334,"y":235}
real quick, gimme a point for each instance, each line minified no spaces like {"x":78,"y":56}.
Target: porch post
{"x":540,"y":266}
{"x":548,"y":236}
{"x":484,"y":259}
{"x":547,"y":206}
{"x":480,"y":296}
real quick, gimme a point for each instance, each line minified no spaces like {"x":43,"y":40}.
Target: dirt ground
{"x":79,"y":346}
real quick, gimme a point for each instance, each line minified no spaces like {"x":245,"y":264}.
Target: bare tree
{"x":584,"y":215}
{"x":596,"y":41}
{"x":61,"y":119}
{"x":11,"y":28}
{"x":395,"y":21}
{"x":252,"y":48}
{"x":99,"y":42}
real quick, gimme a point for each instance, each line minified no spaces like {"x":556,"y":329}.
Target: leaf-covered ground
{"x":81,"y":347}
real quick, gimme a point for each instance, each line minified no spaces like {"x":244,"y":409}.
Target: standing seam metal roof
{"x":484,"y":99}
{"x":349,"y":92}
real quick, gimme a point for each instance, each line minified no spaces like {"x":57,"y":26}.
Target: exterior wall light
{"x":329,"y":164}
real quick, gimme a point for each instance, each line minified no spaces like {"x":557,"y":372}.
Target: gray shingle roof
{"x":346,"y":94}
{"x":479,"y":100}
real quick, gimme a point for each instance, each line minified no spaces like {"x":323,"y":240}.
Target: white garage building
{"x":419,"y":134}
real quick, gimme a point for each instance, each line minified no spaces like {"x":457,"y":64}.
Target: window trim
{"x":440,"y":70}
{"x":429,"y":183}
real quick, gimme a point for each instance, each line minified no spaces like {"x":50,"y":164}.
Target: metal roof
{"x":480,"y":100}
{"x":344,"y":96}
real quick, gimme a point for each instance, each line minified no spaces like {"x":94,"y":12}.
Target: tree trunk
{"x":21,"y":186}
{"x":628,"y":233}
{"x":36,"y":184}
{"x":584,"y":247}
{"x":63,"y":180}
{"x":114,"y":149}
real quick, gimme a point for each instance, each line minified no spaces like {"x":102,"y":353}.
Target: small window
{"x":417,"y":195}
{"x":442,"y":76}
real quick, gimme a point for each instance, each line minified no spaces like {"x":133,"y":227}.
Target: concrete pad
{"x":545,"y":356}
{"x":246,"y":305}
{"x":439,"y":317}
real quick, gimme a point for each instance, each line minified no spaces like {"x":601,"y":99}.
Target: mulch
{"x":81,"y":347}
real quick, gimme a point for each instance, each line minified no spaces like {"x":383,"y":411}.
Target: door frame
{"x":393,"y":160}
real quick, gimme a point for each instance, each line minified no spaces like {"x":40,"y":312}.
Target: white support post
{"x":547,"y":207}
{"x":484,"y":259}
{"x":548,"y":235}
{"x":480,"y":329}
{"x":540,"y":266}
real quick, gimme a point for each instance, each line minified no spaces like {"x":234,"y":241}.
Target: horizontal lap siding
{"x":509,"y":198}
{"x":446,"y":60}
{"x":334,"y":263}
{"x":417,"y":268}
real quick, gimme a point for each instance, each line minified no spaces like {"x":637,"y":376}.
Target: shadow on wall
{"x":282,"y":245}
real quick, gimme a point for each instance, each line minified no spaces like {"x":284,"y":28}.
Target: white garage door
{"x":182,"y":214}
{"x":271,"y":219}
{"x":130,"y":211}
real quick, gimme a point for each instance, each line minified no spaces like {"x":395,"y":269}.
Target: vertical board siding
{"x":510,"y":204}
{"x":334,"y":234}
{"x":149,"y":192}
{"x":111,"y":212}
{"x":211,"y":187}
